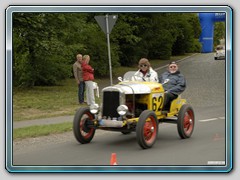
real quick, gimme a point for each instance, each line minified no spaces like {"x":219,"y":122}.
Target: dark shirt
{"x":173,"y":82}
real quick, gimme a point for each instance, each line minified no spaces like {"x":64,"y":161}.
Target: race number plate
{"x":157,"y":102}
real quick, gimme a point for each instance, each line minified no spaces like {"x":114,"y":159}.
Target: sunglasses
{"x":171,"y":67}
{"x":143,"y":65}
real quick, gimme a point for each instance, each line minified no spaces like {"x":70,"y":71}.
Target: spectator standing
{"x":88,"y":77}
{"x":77,"y":71}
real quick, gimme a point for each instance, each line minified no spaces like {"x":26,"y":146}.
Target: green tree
{"x":45,"y":44}
{"x":37,"y":51}
{"x":125,"y":37}
{"x":161,"y":35}
{"x":187,"y":29}
{"x":219,"y":32}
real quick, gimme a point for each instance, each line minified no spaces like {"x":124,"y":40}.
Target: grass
{"x":49,"y":101}
{"x":43,"y":130}
{"x":40,"y":102}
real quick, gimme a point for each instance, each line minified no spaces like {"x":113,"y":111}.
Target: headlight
{"x":94,"y":108}
{"x":122,"y":110}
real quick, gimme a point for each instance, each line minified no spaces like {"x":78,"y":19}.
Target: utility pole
{"x":106,"y":23}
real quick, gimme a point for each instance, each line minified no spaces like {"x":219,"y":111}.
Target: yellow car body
{"x":155,"y":99}
{"x":133,"y":106}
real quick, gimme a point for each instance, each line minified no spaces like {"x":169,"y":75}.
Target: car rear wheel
{"x":185,"y":121}
{"x":147,"y":129}
{"x":82,"y":132}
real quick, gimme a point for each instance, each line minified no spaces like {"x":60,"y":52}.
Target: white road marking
{"x":212,"y":119}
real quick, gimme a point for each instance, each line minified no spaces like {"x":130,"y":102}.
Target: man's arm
{"x":75,"y":73}
{"x":180,"y":87}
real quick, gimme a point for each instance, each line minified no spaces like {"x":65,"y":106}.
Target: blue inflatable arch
{"x":207,"y":21}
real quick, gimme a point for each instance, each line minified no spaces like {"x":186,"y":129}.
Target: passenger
{"x":173,"y":83}
{"x":145,"y":72}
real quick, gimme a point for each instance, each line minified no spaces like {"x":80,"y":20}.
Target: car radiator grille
{"x":110,"y":104}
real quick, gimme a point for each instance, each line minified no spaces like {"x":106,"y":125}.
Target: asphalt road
{"x":205,"y":92}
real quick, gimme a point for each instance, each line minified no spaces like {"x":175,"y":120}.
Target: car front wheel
{"x":147,"y":129}
{"x":82,"y":132}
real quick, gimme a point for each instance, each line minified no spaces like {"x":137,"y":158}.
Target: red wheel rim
{"x":82,"y":123}
{"x":188,"y":122}
{"x":149,"y":130}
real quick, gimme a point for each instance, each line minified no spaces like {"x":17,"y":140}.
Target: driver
{"x":173,"y":83}
{"x":145,"y":72}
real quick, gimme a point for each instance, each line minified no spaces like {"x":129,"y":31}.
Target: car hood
{"x":135,"y":87}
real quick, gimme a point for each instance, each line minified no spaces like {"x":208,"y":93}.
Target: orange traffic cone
{"x":113,"y":160}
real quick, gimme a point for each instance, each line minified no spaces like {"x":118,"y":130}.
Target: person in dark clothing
{"x":77,"y":72}
{"x":173,"y":82}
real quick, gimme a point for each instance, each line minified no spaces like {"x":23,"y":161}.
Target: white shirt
{"x":150,"y":76}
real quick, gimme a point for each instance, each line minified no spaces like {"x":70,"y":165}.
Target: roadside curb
{"x":45,"y":121}
{"x":156,"y":69}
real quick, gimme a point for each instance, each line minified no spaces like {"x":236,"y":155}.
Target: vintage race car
{"x":219,"y":52}
{"x":133,"y":105}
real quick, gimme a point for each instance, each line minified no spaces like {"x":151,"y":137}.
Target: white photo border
{"x":227,"y":167}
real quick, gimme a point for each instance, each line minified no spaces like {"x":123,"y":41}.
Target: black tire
{"x":82,"y":132}
{"x":147,"y":131}
{"x":185,"y":121}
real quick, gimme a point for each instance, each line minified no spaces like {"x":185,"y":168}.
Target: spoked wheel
{"x":82,"y":132}
{"x":147,"y":129}
{"x":186,"y":121}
